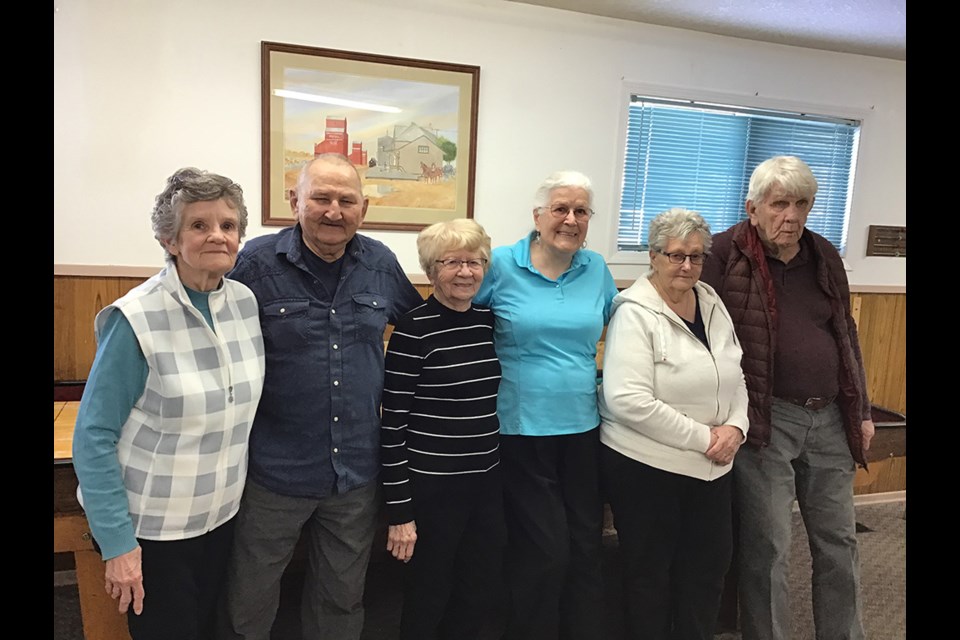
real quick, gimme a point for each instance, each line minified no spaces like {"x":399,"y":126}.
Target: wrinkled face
{"x":780,"y":218}
{"x":455,"y":287}
{"x":677,"y":278}
{"x":207,"y":243}
{"x":330,"y":207}
{"x":568,"y":233}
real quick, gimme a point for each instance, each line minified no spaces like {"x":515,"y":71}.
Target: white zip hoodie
{"x":663,"y":389}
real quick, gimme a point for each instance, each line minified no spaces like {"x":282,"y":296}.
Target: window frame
{"x":756,"y":101}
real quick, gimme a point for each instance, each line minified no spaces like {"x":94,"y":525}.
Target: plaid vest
{"x":183,"y":449}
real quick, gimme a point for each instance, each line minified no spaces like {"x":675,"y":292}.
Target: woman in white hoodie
{"x":673,"y":409}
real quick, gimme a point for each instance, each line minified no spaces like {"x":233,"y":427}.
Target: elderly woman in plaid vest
{"x":160,"y":445}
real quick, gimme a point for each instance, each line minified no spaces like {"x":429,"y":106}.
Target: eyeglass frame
{"x":670,"y":256}
{"x":448,"y":264}
{"x":569,"y":210}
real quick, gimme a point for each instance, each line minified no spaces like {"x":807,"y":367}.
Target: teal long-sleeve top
{"x":116,"y":381}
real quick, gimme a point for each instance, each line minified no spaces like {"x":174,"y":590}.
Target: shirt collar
{"x":170,"y":280}
{"x":292,"y":245}
{"x":522,"y":255}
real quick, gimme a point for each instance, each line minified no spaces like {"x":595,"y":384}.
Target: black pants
{"x":675,"y":536}
{"x":182,"y":580}
{"x":452,"y":582}
{"x":554,"y":527}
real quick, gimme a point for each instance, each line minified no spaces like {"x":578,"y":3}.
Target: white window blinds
{"x":700,"y":156}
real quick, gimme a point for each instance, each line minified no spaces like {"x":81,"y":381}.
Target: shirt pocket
{"x":370,"y":313}
{"x":285,"y":323}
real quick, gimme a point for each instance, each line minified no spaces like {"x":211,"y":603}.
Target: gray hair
{"x":790,"y":172}
{"x":189,"y":185}
{"x":562,"y":179}
{"x":678,"y":223}
{"x":453,"y":235}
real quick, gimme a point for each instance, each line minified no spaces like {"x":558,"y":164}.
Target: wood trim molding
{"x":104,"y":270}
{"x":129,"y":271}
{"x":878,"y":288}
{"x":126,"y":271}
{"x":623,"y":283}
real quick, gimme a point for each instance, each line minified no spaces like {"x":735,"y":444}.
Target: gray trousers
{"x":339,"y":533}
{"x":808,"y":458}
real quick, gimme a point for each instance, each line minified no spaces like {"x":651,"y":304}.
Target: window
{"x":697,"y":155}
{"x":422,"y":148}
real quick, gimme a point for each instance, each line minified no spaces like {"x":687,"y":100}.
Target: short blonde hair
{"x":452,"y":235}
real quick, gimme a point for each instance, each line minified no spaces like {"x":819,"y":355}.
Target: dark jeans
{"x":182,"y":581}
{"x":675,"y":543}
{"x":554,"y":525}
{"x":453,"y":580}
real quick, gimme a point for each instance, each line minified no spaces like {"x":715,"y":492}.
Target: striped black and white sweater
{"x":439,"y":400}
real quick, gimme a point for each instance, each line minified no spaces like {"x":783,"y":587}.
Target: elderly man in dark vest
{"x":786,"y":289}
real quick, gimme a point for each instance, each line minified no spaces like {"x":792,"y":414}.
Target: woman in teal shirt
{"x":551,"y":299}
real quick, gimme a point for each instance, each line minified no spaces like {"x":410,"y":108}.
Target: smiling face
{"x":779,"y":219}
{"x":330,"y":207}
{"x":455,"y":288}
{"x":676,"y":279}
{"x":563,"y":235}
{"x":206,"y":246}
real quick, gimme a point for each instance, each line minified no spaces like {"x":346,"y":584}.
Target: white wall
{"x":142,"y":87}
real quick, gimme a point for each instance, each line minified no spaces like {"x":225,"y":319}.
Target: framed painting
{"x":409,"y":127}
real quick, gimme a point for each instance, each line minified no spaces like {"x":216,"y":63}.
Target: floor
{"x":881,"y":534}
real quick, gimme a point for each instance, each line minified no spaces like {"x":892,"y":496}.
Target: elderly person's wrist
{"x":115,"y":544}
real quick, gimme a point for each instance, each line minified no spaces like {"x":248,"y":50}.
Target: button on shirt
{"x":546,"y":334}
{"x":316,"y":432}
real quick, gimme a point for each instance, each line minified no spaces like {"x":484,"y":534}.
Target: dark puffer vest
{"x":733,"y":271}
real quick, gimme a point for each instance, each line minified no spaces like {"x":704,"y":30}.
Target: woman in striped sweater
{"x":440,"y":442}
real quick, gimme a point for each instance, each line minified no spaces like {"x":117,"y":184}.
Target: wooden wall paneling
{"x":856,"y":302}
{"x":881,"y":319}
{"x":883,"y":476}
{"x":76,"y":301}
{"x":882,"y":328}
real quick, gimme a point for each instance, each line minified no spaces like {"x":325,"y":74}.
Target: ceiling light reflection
{"x":312,"y":97}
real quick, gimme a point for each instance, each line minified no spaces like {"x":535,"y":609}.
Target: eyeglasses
{"x":679,"y":258}
{"x":452,"y":264}
{"x":562,"y":211}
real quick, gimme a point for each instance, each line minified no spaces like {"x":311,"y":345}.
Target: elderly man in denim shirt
{"x":326,"y":296}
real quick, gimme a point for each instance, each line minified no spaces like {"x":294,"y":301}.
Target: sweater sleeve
{"x":116,"y":381}
{"x":403,"y":364}
{"x":629,"y":397}
{"x":738,"y":407}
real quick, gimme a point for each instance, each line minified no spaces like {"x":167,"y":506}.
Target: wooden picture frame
{"x":409,"y":126}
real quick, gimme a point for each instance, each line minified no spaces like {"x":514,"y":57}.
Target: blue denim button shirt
{"x":317,"y":429}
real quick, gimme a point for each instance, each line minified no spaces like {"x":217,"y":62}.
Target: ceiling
{"x":867,"y":27}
